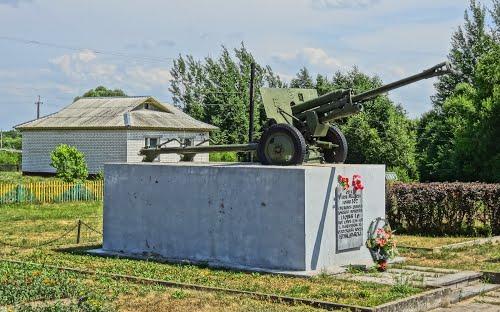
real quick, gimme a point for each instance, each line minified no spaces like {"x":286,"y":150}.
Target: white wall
{"x":98,"y":146}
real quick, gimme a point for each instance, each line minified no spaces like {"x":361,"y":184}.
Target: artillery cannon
{"x":298,"y":127}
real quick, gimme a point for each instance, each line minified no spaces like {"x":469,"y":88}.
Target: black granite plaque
{"x":349,"y":219}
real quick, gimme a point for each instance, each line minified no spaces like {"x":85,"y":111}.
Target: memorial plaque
{"x":349,"y":219}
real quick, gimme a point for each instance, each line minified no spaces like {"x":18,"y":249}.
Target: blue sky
{"x":386,"y":37}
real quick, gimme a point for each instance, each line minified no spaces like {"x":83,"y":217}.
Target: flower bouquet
{"x":382,"y":244}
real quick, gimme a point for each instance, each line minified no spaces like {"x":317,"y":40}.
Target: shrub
{"x":69,"y":163}
{"x":10,"y":158}
{"x":444,"y":208}
{"x":224,"y":157}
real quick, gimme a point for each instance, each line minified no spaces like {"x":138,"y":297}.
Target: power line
{"x":58,"y":46}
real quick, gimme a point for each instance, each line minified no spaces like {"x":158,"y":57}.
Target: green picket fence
{"x":51,"y":192}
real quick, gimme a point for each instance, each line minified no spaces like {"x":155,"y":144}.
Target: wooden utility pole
{"x":38,"y":108}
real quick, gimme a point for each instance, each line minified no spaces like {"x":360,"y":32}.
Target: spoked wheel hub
{"x":282,"y":145}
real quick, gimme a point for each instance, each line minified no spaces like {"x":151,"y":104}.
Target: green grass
{"x":429,"y":242}
{"x":484,"y":257}
{"x":323,"y":287}
{"x":34,"y":288}
{"x":36,"y":223}
{"x":32,"y":225}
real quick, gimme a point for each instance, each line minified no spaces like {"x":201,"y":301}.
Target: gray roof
{"x":118,"y":113}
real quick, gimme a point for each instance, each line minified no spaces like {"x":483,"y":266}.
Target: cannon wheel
{"x":282,"y":145}
{"x":337,"y":154}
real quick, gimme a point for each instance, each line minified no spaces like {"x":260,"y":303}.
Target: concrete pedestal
{"x":241,"y":215}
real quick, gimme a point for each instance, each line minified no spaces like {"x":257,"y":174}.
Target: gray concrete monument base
{"x":270,"y":218}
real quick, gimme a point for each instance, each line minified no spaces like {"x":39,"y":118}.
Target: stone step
{"x":459,"y":279}
{"x":429,"y":269}
{"x":468,"y":292}
{"x":416,"y":272}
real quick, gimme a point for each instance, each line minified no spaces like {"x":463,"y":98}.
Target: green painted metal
{"x":278,"y":103}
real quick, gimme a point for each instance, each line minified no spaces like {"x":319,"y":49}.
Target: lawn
{"x":429,"y":242}
{"x":34,"y":224}
{"x":474,"y":258}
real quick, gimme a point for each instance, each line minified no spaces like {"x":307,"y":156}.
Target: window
{"x":146,"y":106}
{"x":151,"y":142}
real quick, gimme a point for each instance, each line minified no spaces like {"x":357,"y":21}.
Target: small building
{"x":109,"y":129}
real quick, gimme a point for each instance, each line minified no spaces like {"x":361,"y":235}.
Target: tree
{"x":101,"y":91}
{"x":452,"y":138}
{"x":216,"y":91}
{"x":469,"y":42}
{"x":12,"y":140}
{"x":69,"y":163}
{"x":302,"y":80}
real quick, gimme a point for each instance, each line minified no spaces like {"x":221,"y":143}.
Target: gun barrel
{"x":320,"y":100}
{"x":437,"y":70}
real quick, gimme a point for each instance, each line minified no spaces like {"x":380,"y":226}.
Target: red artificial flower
{"x":380,"y":241}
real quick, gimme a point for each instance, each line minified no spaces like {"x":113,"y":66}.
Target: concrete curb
{"x":422,"y":302}
{"x":481,"y":241}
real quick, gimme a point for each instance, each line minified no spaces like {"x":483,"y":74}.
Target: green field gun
{"x":299,"y":126}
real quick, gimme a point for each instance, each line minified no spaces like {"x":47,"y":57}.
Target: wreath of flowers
{"x":381,"y":243}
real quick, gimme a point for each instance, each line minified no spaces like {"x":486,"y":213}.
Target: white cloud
{"x":87,"y":56}
{"x":82,"y":69}
{"x":319,"y":57}
{"x":315,"y":59}
{"x":156,"y":76}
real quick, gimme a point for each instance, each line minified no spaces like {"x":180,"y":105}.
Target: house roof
{"x":118,"y":113}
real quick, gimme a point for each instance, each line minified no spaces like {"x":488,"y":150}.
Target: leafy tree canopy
{"x":456,"y":140}
{"x":101,"y":91}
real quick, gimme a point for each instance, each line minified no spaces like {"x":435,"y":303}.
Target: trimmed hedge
{"x":444,"y":208}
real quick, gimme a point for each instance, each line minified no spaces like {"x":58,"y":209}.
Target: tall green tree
{"x":216,"y":91}
{"x":302,"y":80}
{"x":468,"y":43}
{"x":448,"y":135}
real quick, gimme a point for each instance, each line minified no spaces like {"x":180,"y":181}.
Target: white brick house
{"x":109,"y":129}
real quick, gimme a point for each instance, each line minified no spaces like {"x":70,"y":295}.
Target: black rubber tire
{"x":299,"y":144}
{"x":337,"y":154}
